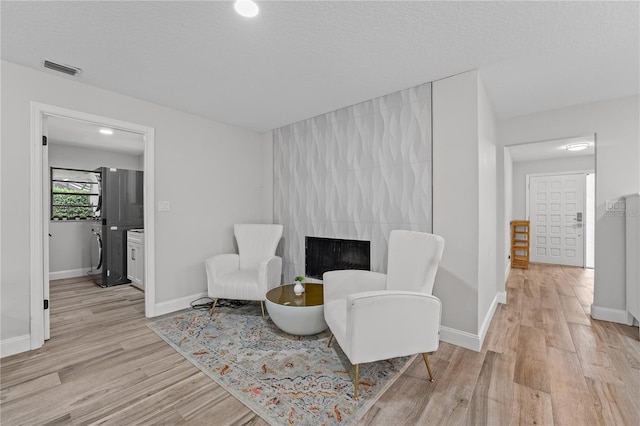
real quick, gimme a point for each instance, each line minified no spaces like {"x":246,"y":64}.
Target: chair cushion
{"x":241,"y":284}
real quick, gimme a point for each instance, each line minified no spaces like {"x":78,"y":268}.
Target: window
{"x":74,"y":194}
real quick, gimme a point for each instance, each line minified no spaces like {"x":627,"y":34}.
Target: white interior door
{"x":556,"y":215}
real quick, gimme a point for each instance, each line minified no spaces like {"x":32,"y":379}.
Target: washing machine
{"x":96,"y":253}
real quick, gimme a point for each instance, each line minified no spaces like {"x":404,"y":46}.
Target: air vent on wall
{"x":66,"y":69}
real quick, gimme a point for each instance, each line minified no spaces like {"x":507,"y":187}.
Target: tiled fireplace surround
{"x":355,"y":173}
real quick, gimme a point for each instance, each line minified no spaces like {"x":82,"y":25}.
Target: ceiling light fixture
{"x":246,"y":8}
{"x":577,"y":146}
{"x":106,"y":131}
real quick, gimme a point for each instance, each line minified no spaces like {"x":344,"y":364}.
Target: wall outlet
{"x":164,"y":206}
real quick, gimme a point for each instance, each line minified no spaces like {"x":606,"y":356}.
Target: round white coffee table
{"x":298,"y":315}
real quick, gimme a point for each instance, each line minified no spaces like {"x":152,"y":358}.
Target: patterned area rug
{"x":285,"y":379}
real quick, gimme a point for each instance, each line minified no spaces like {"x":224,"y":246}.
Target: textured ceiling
{"x":300,"y":59}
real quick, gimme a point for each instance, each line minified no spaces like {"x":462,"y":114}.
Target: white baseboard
{"x":619,"y":316}
{"x":177,"y":304}
{"x":487,"y":320}
{"x":15,"y":345}
{"x":502,"y":297}
{"x":460,"y":338}
{"x":507,"y":271}
{"x":71,"y":273}
{"x":469,"y":340}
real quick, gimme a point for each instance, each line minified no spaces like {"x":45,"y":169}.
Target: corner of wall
{"x":15,"y":345}
{"x":177,"y":304}
{"x":267,"y":177}
{"x":620,"y":316}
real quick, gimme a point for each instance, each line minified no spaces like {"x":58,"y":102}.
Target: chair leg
{"x":355,"y":382}
{"x":330,"y":339}
{"x":213,"y":306}
{"x":262,"y":307}
{"x":426,"y":361}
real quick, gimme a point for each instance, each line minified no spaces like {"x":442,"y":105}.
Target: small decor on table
{"x":298,"y":289}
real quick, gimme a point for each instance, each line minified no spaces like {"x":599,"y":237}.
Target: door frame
{"x":39,"y":224}
{"x":573,"y":172}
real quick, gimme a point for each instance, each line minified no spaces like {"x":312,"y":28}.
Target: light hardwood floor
{"x":544,"y":361}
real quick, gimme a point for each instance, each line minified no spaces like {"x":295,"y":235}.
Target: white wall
{"x":464,"y":206}
{"x":210,"y":172}
{"x":267,"y":177}
{"x":69,"y":248}
{"x":504,"y":216}
{"x":487,"y":246}
{"x":456,"y":198}
{"x":77,"y":157}
{"x":555,"y":165}
{"x":616,"y":123}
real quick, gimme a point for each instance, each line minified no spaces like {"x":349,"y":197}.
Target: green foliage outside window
{"x":74,"y":194}
{"x":71,"y":204}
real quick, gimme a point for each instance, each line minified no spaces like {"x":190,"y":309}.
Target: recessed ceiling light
{"x":577,"y":146}
{"x":106,"y":131}
{"x":246,"y":8}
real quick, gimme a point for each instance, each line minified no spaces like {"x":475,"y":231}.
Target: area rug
{"x":285,"y":379}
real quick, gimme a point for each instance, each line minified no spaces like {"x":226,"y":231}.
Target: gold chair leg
{"x":262,"y":307}
{"x":426,"y":361}
{"x":355,"y":382}
{"x":330,"y":339}
{"x":213,"y":306}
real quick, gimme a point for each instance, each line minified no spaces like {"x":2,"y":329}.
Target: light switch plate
{"x":164,"y":206}
{"x":617,"y":205}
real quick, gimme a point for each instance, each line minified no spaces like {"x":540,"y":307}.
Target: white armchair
{"x":251,"y":273}
{"x":376,"y":316}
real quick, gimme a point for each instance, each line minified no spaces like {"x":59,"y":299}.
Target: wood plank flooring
{"x":544,"y":361}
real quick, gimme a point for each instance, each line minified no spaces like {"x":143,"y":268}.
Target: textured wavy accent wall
{"x":355,"y":173}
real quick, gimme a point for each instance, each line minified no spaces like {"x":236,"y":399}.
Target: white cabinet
{"x":135,"y":257}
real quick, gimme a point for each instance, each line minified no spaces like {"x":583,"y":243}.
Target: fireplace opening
{"x":330,"y":254}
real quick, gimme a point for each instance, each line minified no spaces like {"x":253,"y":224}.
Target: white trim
{"x":15,"y":345}
{"x":469,"y":340}
{"x":36,"y":231}
{"x":619,"y":316}
{"x":507,"y":271}
{"x":487,"y":320}
{"x":460,"y":338}
{"x":149,"y":223}
{"x":38,"y":226}
{"x":70,"y":273}
{"x":177,"y":304}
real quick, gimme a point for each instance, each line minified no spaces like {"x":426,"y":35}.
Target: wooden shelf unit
{"x":520,"y":244}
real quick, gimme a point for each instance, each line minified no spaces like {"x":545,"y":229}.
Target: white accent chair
{"x":376,"y":316}
{"x":251,"y":273}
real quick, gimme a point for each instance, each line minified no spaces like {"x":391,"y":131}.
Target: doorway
{"x":556,"y":157}
{"x":40,"y":218}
